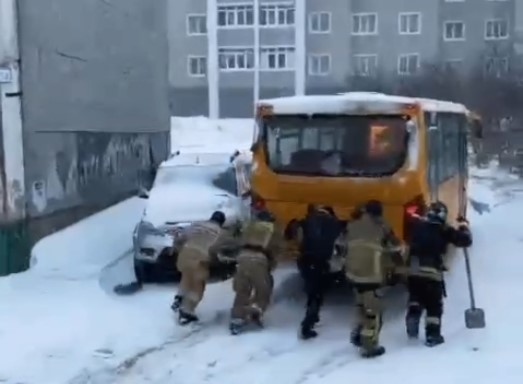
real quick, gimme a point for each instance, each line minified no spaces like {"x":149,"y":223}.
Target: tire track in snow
{"x":112,"y":374}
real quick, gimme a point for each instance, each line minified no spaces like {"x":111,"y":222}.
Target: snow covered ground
{"x":60,"y":322}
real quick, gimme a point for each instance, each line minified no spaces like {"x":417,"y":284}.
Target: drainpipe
{"x":213,"y":69}
{"x":256,"y":85}
{"x":299,"y":44}
{"x":11,"y":104}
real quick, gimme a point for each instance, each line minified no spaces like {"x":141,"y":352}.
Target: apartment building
{"x":339,"y":38}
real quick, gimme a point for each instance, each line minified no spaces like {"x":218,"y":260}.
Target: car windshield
{"x":334,"y":145}
{"x":222,"y":176}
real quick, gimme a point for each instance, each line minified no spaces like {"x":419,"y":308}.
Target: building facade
{"x":84,"y":112}
{"x":342,"y":38}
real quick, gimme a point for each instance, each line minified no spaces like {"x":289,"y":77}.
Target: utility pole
{"x":213,"y":69}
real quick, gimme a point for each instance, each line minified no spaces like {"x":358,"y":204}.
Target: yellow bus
{"x":345,"y":149}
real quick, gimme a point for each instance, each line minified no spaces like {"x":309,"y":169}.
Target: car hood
{"x":187,"y":203}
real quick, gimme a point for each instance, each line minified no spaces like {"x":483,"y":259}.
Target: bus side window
{"x":450,"y":128}
{"x":433,"y":154}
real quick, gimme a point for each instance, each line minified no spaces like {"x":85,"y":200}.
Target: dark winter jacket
{"x":428,"y":245}
{"x":318,"y":232}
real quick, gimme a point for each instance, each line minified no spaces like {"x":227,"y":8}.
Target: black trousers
{"x":426,"y":295}
{"x":316,"y":281}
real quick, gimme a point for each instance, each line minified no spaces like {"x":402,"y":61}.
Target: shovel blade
{"x":475,"y":318}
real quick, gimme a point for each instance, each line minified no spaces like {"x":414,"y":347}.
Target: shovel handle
{"x":469,"y":278}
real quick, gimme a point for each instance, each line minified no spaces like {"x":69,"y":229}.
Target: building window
{"x":236,"y":59}
{"x":196,"y":25}
{"x":408,"y":64}
{"x":409,"y":23}
{"x":496,"y":29}
{"x":365,"y":65}
{"x":496,"y":66}
{"x":365,"y":24}
{"x":319,"y":64}
{"x":277,"y":58}
{"x":276,"y":15}
{"x":320,"y":22}
{"x":235,"y":16}
{"x":197,"y":66}
{"x":454,"y":31}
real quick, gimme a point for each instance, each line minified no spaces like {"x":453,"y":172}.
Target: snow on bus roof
{"x":355,"y":102}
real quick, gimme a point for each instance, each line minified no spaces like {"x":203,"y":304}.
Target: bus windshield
{"x":334,"y":145}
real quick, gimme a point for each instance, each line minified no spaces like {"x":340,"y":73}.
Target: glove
{"x":462,"y":219}
{"x":463,"y":224}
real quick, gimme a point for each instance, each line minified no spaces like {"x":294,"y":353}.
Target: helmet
{"x":265,"y":215}
{"x":374,"y":208}
{"x":437,"y":212}
{"x":218,"y":217}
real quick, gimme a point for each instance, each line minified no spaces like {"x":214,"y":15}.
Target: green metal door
{"x":15,"y":248}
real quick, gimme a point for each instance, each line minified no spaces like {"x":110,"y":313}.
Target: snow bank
{"x":56,"y":311}
{"x":205,"y":135}
{"x":83,"y":249}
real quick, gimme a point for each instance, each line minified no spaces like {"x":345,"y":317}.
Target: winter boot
{"x":412,"y":325}
{"x":236,"y":326}
{"x":355,"y":336}
{"x":176,"y":303}
{"x":433,"y":335}
{"x":375,"y":351}
{"x":307,"y":331}
{"x":185,"y":318}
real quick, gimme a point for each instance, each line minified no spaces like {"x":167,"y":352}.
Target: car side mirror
{"x":143,"y":193}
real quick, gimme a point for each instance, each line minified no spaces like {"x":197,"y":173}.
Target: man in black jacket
{"x":317,"y":233}
{"x":429,"y":240}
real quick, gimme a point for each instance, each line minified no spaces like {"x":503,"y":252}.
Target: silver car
{"x":188,"y":187}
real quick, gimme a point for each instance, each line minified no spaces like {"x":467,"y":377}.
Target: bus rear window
{"x":366,"y":146}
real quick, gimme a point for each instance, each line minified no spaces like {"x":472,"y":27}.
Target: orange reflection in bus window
{"x":379,"y":140}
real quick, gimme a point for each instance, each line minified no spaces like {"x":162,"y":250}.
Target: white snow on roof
{"x":354,"y":103}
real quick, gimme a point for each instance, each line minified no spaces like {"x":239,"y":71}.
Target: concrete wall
{"x":3,"y":194}
{"x":95,"y":102}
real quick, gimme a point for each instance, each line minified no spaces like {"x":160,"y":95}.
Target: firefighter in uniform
{"x":429,"y":240}
{"x":373,"y":254}
{"x":199,"y":247}
{"x":261,"y":242}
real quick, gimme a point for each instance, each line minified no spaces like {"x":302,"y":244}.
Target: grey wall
{"x":95,"y":100}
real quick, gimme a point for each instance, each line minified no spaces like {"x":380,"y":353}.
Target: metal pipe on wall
{"x":300,"y":49}
{"x":256,"y":31}
{"x":213,"y":69}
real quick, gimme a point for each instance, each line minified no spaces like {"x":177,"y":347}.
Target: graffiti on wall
{"x":101,"y":167}
{"x":110,"y":160}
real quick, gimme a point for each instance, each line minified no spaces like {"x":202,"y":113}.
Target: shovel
{"x":474,"y":317}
